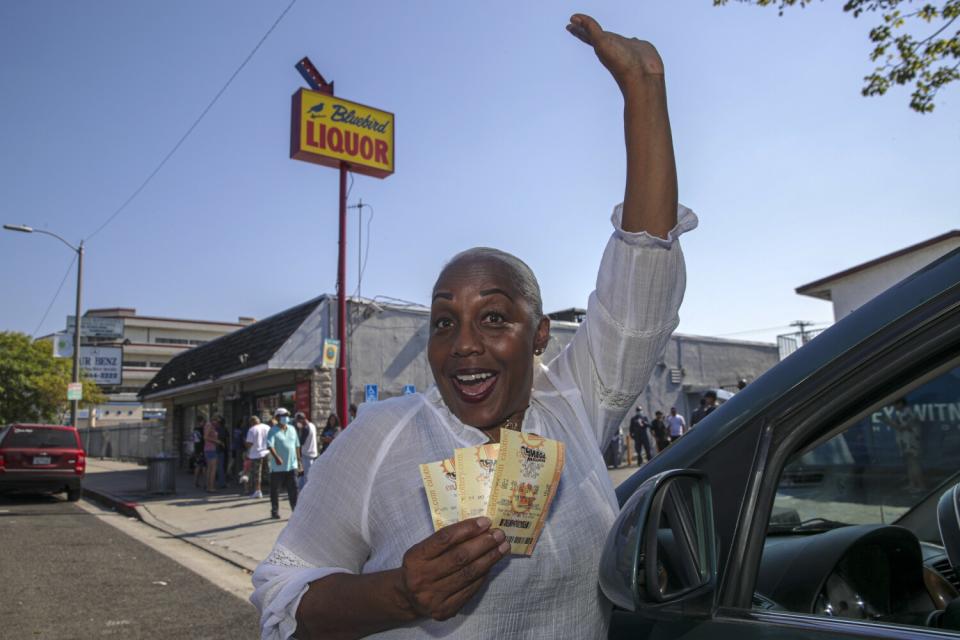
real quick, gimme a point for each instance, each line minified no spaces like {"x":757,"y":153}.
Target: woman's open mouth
{"x":474,"y":385}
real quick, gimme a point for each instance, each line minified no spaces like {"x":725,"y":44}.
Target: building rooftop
{"x":129,"y":312}
{"x":819,"y":288}
{"x":252,"y":346}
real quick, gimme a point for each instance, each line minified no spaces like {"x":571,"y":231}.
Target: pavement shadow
{"x":191,"y":501}
{"x":10,"y":505}
{"x":233,"y":527}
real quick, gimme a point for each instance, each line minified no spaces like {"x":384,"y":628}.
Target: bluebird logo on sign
{"x":372,"y":393}
{"x":316,"y":111}
{"x":409,"y":389}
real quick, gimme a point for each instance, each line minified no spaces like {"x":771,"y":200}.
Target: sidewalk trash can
{"x":162,"y":474}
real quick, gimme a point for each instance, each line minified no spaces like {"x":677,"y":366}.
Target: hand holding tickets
{"x":512,"y":483}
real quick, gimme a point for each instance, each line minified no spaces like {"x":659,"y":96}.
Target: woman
{"x":211,"y":443}
{"x":360,"y":557}
{"x":330,"y":431}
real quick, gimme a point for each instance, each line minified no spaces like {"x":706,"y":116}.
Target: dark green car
{"x":820,"y":501}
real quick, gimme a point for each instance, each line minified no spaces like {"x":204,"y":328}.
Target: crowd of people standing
{"x":650,"y":437}
{"x":260,"y":456}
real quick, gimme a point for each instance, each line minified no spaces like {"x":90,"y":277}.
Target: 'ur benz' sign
{"x":328,"y":130}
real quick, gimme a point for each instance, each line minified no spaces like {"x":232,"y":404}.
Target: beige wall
{"x":851,"y":292}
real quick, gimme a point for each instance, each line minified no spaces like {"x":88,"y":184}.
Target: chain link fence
{"x":125,"y":441}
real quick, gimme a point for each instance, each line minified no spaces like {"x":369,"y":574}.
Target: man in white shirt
{"x":308,"y":444}
{"x":257,"y":452}
{"x":676,"y":424}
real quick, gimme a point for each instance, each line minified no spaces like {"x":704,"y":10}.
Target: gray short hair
{"x":520,"y":273}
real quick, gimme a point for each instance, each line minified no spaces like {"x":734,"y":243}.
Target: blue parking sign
{"x":371,"y":393}
{"x":409,"y":389}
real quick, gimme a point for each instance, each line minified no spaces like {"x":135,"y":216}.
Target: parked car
{"x":822,"y":501}
{"x":42,"y":457}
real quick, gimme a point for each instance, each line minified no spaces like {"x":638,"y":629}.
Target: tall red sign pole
{"x":318,"y":83}
{"x":342,"y":397}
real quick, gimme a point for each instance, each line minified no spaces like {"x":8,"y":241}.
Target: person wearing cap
{"x":308,"y":445}
{"x":707,"y":404}
{"x":284,"y":447}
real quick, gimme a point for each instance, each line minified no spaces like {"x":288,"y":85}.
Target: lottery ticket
{"x":440,"y":483}
{"x":527,"y":474}
{"x":475,"y":469}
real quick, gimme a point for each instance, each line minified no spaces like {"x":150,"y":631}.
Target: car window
{"x":880,"y":466}
{"x":900,"y":455}
{"x":39,"y":437}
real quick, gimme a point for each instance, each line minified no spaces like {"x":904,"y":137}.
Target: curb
{"x":124,"y":507}
{"x":142,"y":513}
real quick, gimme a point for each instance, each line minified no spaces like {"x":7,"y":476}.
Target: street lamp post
{"x":22,"y":228}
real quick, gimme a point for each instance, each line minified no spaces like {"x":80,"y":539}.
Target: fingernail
{"x":499,"y":535}
{"x":483,"y":523}
{"x":504,"y":548}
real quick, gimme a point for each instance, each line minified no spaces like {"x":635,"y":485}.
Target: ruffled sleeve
{"x":630,"y":317}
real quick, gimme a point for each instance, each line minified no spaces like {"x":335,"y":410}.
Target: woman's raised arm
{"x":650,"y":196}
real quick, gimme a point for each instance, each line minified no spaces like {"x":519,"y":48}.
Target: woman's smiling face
{"x":482,"y":341}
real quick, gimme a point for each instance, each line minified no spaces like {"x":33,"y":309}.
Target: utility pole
{"x":802,"y":326}
{"x":359,"y":207}
{"x":22,"y":228}
{"x":75,"y":404}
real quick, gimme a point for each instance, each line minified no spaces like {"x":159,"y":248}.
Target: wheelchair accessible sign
{"x":371,"y":393}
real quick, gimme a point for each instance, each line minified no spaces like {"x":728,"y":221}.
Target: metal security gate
{"x":129,"y":442}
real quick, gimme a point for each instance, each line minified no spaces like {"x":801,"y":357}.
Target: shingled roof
{"x":245,"y":348}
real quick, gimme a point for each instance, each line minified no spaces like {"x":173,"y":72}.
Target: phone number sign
{"x":103,"y":365}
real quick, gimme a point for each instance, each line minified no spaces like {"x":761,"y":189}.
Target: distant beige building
{"x":851,"y":288}
{"x":148,"y":343}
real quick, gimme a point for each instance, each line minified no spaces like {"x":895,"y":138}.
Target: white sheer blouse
{"x":364,"y":505}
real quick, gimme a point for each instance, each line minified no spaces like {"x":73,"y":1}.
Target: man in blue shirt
{"x":283,"y":443}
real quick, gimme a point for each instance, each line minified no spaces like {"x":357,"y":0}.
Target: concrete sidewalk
{"x":232,"y":526}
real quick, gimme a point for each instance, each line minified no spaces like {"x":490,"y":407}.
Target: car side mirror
{"x":662,"y":547}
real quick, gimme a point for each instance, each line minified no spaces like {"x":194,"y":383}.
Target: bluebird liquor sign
{"x":330,"y":131}
{"x":349,"y":137}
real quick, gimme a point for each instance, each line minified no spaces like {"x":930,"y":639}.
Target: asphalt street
{"x":66,"y":573}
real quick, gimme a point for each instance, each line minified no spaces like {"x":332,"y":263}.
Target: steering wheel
{"x":948,"y":519}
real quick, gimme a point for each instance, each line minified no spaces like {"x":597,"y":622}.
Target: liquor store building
{"x":277,"y":362}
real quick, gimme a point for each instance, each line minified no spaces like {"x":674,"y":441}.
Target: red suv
{"x":42,"y":457}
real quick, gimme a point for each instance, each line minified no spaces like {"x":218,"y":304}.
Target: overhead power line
{"x":54,"y":298}
{"x":183,"y":138}
{"x":783,"y":326}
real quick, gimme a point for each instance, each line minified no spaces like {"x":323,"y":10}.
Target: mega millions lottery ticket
{"x":525,"y":481}
{"x":475,"y":469}
{"x":440,"y":482}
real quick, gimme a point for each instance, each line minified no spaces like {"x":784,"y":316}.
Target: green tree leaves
{"x":33,"y":384}
{"x":918,"y":47}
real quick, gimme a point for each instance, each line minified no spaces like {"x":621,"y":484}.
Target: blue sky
{"x":509,"y":134}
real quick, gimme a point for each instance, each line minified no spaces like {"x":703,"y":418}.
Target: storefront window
{"x":268,"y":404}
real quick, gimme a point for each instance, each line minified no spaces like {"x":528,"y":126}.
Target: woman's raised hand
{"x":628,"y":59}
{"x":440,"y":574}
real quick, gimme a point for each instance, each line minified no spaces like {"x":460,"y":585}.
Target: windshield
{"x":878,"y":468}
{"x":37,"y":437}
